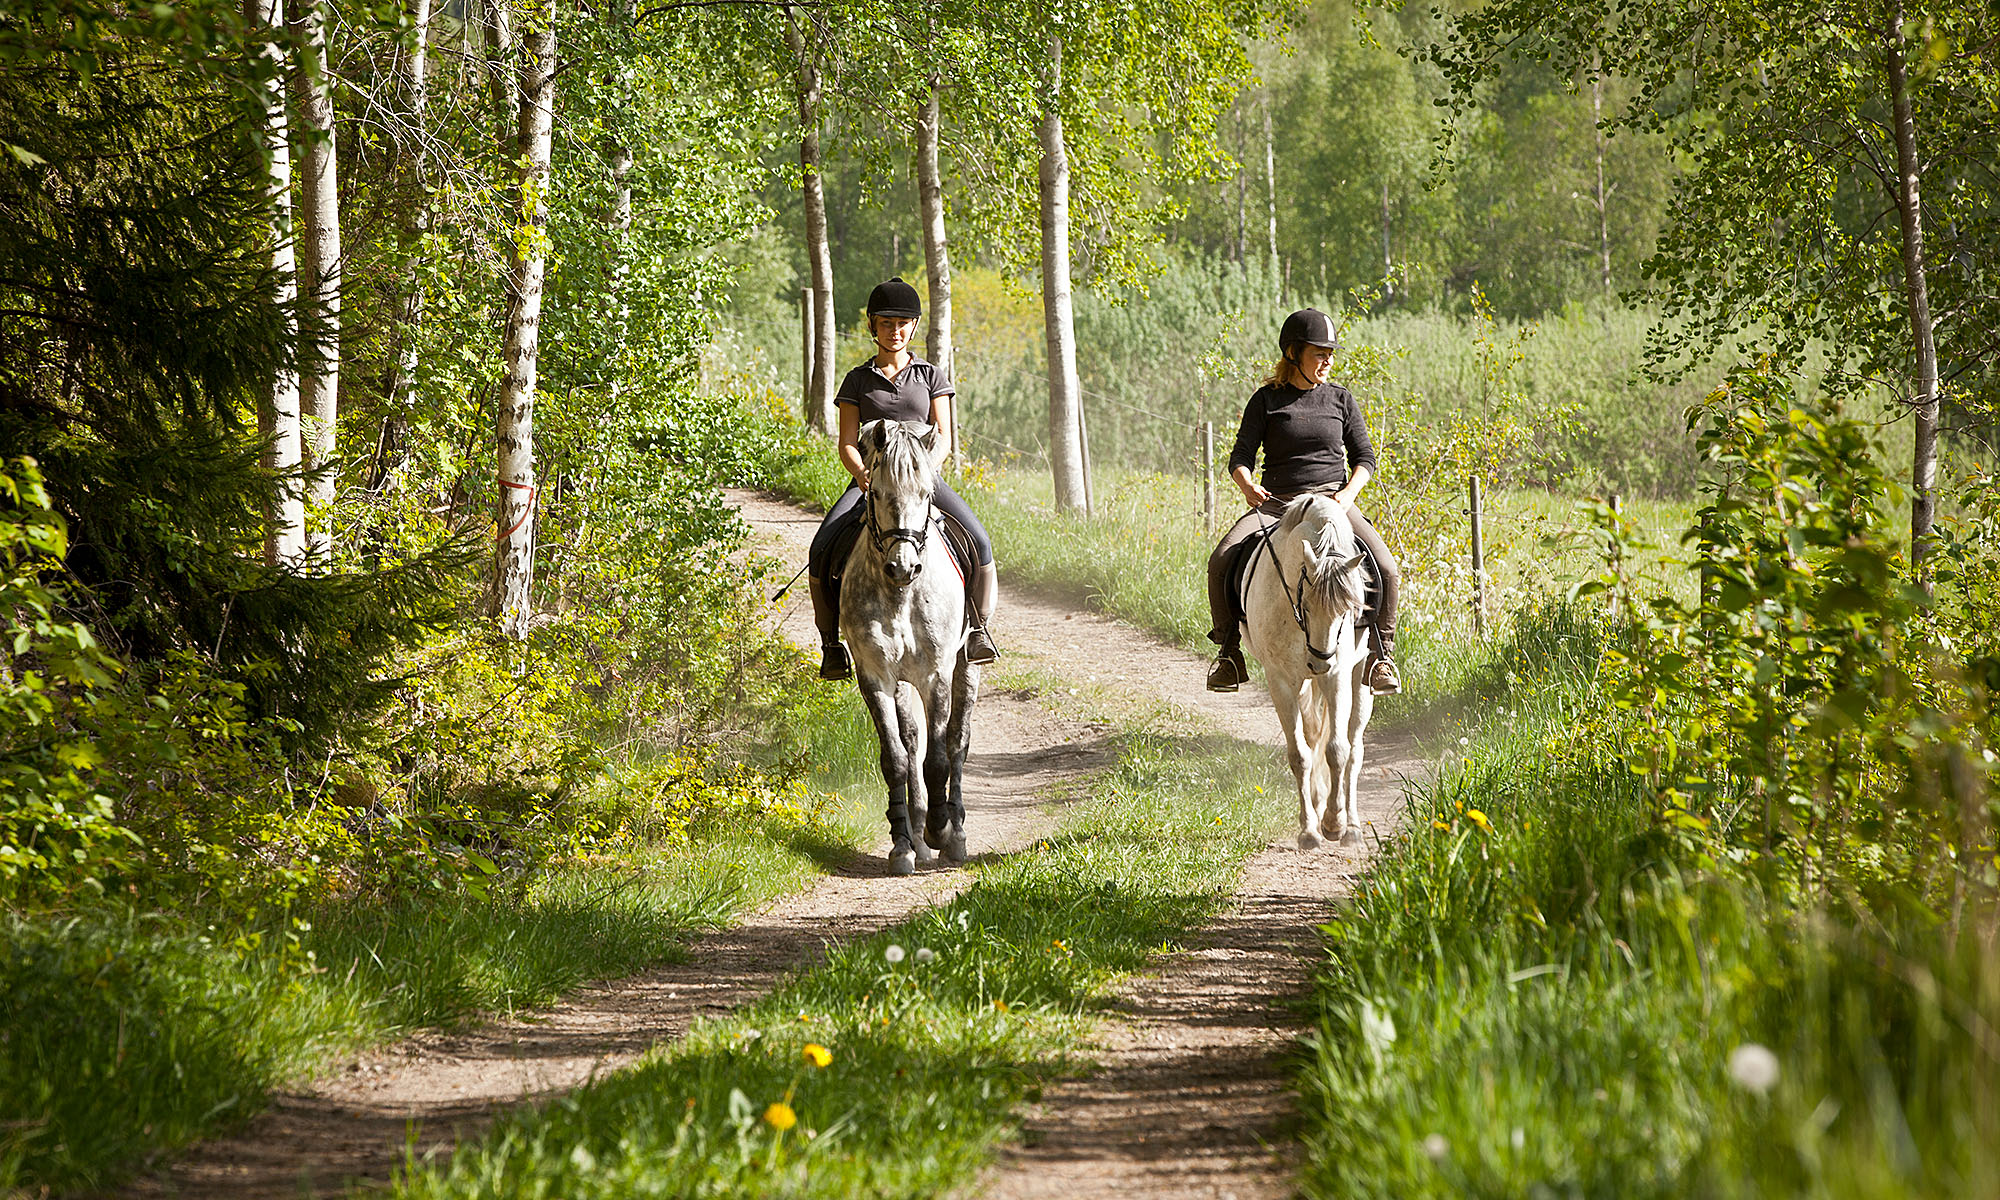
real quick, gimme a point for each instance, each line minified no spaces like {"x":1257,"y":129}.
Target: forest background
{"x":365,"y":373}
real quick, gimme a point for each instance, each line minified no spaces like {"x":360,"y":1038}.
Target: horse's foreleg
{"x":882,"y":707}
{"x":938,"y":773}
{"x":958,"y":743}
{"x":910,"y":711}
{"x":1296,"y":719}
{"x":1357,"y":724}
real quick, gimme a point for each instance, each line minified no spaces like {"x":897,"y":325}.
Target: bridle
{"x":885,"y":538}
{"x":1297,"y":600}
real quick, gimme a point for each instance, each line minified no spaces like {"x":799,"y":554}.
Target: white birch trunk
{"x":278,"y":417}
{"x":319,"y":271}
{"x":514,"y":548}
{"x":937,"y":254}
{"x":399,"y":390}
{"x":1271,"y":199}
{"x":819,"y":412}
{"x":1916,"y":289}
{"x":1058,"y":312}
{"x":506,"y":93}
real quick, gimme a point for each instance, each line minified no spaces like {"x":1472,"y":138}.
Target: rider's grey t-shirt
{"x":907,"y":397}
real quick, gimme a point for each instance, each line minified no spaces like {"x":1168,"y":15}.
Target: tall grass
{"x":935,"y":1029}
{"x":1541,"y":990}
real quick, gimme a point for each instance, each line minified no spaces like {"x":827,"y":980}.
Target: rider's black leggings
{"x":1223,"y":607}
{"x":847,"y":510}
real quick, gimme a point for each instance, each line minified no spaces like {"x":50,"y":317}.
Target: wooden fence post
{"x":1083,"y":440}
{"x":1478,"y":559}
{"x":1208,"y":476}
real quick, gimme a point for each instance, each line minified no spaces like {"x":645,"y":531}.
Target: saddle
{"x":1254,"y":546}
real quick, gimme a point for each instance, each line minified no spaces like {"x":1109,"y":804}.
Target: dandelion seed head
{"x":925,"y":954}
{"x":894,"y":953}
{"x":1436,"y":1147}
{"x":1753,"y":1067}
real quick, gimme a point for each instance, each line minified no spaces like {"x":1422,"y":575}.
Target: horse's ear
{"x":1352,"y":563}
{"x":872,"y":438}
{"x":928,"y":439}
{"x":1312,"y":555}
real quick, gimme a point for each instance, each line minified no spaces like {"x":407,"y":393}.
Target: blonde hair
{"x":1278,"y":374}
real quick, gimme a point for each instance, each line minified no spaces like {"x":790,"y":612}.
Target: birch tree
{"x":278,"y":415}
{"x":1829,"y":146}
{"x":514,"y":546}
{"x":1058,"y":308}
{"x":807,"y":46}
{"x":319,"y":267}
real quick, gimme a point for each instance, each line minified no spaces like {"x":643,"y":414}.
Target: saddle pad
{"x":1252,"y":547}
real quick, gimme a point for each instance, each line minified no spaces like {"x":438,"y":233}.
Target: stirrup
{"x":1382,"y":677}
{"x":979,"y":648}
{"x":834,"y":664}
{"x":1229,"y":671}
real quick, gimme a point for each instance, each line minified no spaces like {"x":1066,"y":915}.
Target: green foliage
{"x":1807,"y":705}
{"x":1543,"y":985}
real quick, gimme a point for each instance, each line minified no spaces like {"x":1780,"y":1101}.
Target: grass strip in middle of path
{"x":894,"y":1069}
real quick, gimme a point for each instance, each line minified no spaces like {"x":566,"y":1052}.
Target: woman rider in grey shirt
{"x":895,"y":385}
{"x":1314,"y":440}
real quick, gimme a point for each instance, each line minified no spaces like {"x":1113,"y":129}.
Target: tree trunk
{"x":320,"y":270}
{"x":1603,"y":198}
{"x":1916,"y":288}
{"x":937,"y":255}
{"x":1058,"y":314}
{"x":1271,"y":197}
{"x":818,"y":402}
{"x":399,"y":386}
{"x":514,"y":549}
{"x":498,"y":30}
{"x":278,"y":414}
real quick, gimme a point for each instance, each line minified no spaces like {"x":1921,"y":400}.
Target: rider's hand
{"x":1254,"y":493}
{"x":861,"y":481}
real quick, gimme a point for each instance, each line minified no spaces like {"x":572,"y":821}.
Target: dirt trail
{"x":1190,"y":1092}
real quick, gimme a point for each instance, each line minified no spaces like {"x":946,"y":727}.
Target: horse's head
{"x":897,"y":510}
{"x":1331,"y":583}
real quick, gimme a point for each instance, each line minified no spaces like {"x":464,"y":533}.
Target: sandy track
{"x":1190,"y":1091}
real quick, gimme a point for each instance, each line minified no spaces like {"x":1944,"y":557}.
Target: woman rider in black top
{"x":895,"y":385}
{"x":1314,"y":440}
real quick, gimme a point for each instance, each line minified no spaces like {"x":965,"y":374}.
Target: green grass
{"x":127,"y":1034}
{"x":1546,"y":1003}
{"x":929,"y":1058}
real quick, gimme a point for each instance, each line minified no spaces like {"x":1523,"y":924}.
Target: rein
{"x":1296,"y":601}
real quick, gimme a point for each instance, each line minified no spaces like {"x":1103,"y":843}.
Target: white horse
{"x":1304,"y":593}
{"x":902,"y":613}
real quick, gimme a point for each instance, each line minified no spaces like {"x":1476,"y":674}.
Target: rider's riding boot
{"x":985,"y":593}
{"x":1382,"y":677}
{"x":1229,"y":672}
{"x":833,"y":660}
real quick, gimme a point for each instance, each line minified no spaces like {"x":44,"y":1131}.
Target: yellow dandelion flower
{"x":1437,"y":824}
{"x":780,"y":1116}
{"x":1478,"y":818}
{"x":817,"y":1055}
{"x":1001,"y":1005}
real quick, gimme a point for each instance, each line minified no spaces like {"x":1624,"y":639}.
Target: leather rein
{"x":1297,"y":600}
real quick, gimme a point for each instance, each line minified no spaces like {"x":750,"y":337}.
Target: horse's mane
{"x":903,"y":462}
{"x":1333,"y":544}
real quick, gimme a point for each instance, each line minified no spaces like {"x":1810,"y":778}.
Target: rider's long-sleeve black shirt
{"x":1310,"y":439}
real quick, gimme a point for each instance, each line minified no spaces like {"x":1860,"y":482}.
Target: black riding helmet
{"x":1308,"y":327}
{"x":895,"y":299}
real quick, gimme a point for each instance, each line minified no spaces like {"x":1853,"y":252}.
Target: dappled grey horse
{"x":1303,"y":597}
{"x":902,"y":613}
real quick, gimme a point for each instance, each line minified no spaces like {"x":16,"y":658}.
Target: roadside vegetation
{"x":1702,"y":902}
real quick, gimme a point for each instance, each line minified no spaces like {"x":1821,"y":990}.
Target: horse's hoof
{"x":954,"y":848}
{"x":1351,"y":838}
{"x":937,"y":839}
{"x":1308,"y":840}
{"x":903,"y":861}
